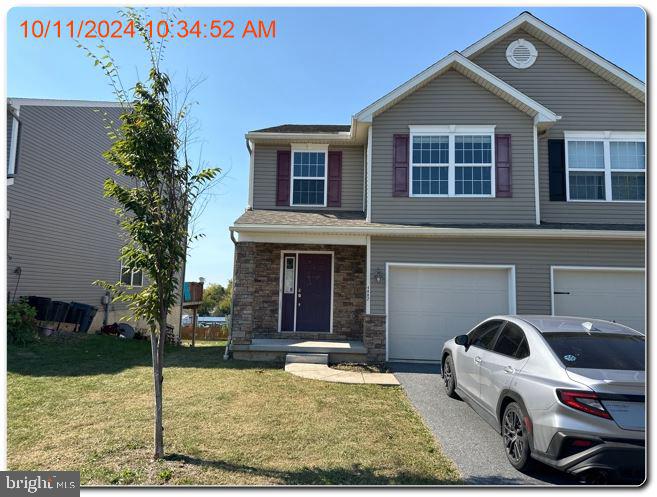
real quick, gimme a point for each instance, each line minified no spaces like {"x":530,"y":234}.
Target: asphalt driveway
{"x":467,"y":439}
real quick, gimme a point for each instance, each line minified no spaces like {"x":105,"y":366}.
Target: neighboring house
{"x":506,"y":178}
{"x":62,"y":233}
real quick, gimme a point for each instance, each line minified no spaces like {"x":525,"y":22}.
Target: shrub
{"x":21,"y":323}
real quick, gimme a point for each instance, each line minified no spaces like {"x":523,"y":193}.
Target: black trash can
{"x":82,"y":315}
{"x":58,"y":310}
{"x":42,"y":306}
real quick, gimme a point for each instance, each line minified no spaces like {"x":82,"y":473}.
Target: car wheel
{"x":515,"y":437}
{"x":449,"y":377}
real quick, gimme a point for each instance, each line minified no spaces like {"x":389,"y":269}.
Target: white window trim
{"x":309,"y":147}
{"x":605,"y":137}
{"x":132,"y":277}
{"x":451,"y":131}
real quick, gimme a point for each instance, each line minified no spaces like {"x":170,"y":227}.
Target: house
{"x":62,"y":233}
{"x":505,"y":178}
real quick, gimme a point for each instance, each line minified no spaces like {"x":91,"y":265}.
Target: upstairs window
{"x":309,"y":178}
{"x":605,"y":166}
{"x":452,"y":161}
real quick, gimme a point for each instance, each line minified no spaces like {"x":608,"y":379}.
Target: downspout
{"x":232,"y":300}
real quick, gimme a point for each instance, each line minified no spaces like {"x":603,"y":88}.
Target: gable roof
{"x":566,"y":45}
{"x":305,"y":128}
{"x":456,"y":61}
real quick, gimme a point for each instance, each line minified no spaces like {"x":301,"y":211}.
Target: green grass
{"x":86,"y":405}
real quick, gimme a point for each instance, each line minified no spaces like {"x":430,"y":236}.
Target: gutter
{"x":423,"y":231}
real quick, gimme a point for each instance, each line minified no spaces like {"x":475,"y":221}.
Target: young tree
{"x":156,"y":205}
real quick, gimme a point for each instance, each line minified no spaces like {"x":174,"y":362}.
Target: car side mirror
{"x":461,"y":340}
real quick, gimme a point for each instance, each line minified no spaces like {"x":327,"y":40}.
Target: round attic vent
{"x":521,"y":54}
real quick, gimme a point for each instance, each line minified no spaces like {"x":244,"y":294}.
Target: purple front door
{"x":306,"y":302}
{"x":314,"y":292}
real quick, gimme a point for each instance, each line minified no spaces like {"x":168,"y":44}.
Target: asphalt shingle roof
{"x":305,"y":128}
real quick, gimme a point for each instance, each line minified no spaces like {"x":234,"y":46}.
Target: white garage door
{"x":614,"y":295}
{"x":428,"y":305}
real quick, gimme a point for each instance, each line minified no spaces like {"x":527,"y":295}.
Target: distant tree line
{"x":216,"y":300}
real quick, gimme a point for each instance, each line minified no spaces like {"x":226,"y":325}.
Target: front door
{"x":309,"y":307}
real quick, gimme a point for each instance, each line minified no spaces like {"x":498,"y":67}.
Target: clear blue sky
{"x":324,"y":65}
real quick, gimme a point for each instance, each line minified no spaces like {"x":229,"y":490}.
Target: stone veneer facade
{"x":257,"y":284}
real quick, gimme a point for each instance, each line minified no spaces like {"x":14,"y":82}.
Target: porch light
{"x":379,"y":277}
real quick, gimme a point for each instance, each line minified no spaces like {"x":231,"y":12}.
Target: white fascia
{"x":425,"y":231}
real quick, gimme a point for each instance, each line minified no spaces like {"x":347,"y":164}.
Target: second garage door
{"x":612,"y":294}
{"x":427,"y":305}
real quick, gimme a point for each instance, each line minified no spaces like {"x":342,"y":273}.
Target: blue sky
{"x":324,"y":65}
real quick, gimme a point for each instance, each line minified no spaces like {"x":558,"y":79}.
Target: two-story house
{"x":508,"y":178}
{"x":62,"y":232}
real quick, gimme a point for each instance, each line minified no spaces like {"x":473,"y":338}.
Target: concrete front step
{"x":306,"y":359}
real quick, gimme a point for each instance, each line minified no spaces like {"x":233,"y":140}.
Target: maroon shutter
{"x":400,"y":165}
{"x":283,"y":177}
{"x":334,"y":179}
{"x":503,"y":165}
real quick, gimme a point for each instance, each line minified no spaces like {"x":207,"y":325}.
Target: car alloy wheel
{"x":514,"y":436}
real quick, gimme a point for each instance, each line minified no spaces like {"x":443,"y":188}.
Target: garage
{"x":429,"y":304}
{"x":614,"y":294}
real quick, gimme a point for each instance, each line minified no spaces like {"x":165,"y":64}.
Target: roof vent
{"x":521,"y":54}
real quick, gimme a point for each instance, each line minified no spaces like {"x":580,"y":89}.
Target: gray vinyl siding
{"x":586,"y":102}
{"x":62,"y":232}
{"x":264,"y":178}
{"x":532,"y":259}
{"x":453,"y":99}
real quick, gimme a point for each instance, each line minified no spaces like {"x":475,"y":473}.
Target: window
{"x":599,"y":350}
{"x":606,"y":167}
{"x":132,"y":278}
{"x":430,"y":176}
{"x":452,"y":161}
{"x":309,"y":178}
{"x":510,"y":342}
{"x":484,"y":335}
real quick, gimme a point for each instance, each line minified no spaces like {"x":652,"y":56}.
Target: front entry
{"x":306,"y":292}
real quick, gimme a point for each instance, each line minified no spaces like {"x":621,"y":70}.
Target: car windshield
{"x":599,"y":350}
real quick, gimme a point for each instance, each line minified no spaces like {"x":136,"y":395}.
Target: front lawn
{"x":86,"y":404}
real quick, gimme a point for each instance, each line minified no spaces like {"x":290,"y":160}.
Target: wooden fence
{"x":219,"y":332}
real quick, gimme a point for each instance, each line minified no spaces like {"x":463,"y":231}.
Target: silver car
{"x":568,"y":392}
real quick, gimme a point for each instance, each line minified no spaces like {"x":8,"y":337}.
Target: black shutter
{"x":557,"y":168}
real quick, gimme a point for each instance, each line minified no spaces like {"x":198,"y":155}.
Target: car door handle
{"x":477,"y":360}
{"x":509,"y":370}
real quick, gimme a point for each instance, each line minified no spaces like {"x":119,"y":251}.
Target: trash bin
{"x":41,"y":304}
{"x":57,"y":311}
{"x":82,"y":315}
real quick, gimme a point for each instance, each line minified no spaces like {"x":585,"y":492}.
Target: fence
{"x":205,"y":332}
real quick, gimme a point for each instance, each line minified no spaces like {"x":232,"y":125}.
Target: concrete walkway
{"x":315,"y":367}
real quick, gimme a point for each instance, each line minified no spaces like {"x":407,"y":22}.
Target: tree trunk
{"x":157,"y":351}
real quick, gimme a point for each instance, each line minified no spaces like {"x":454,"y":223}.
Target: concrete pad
{"x":306,"y":359}
{"x":322,"y":372}
{"x":380,"y":379}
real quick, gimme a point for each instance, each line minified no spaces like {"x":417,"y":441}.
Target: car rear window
{"x":599,"y":351}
